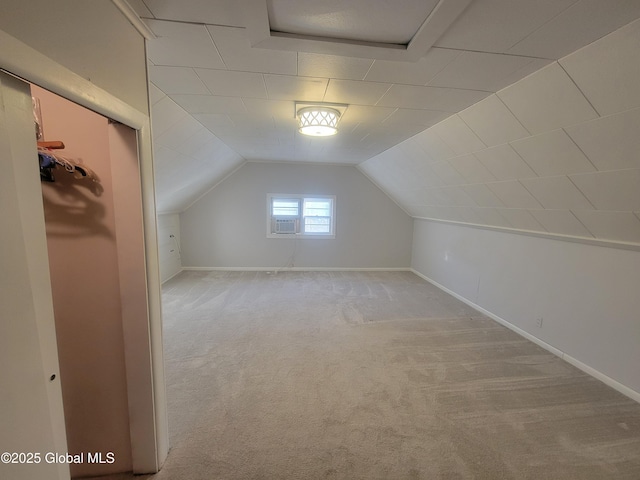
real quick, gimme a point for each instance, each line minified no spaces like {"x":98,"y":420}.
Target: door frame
{"x":149,"y":439}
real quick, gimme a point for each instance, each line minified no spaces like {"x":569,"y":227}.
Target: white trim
{"x":296,"y":269}
{"x":632,"y":394}
{"x":128,"y":11}
{"x":532,"y":233}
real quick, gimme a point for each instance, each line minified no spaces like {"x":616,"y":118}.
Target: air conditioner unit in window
{"x":287,"y":225}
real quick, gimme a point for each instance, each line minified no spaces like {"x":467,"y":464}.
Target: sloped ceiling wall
{"x":557,"y":152}
{"x":189,"y":159}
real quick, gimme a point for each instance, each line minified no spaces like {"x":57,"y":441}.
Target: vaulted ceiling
{"x":419,"y":77}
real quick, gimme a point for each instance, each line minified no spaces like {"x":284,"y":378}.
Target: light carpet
{"x":373,"y":375}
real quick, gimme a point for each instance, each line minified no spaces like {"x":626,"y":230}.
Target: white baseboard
{"x":632,"y":394}
{"x":296,"y":269}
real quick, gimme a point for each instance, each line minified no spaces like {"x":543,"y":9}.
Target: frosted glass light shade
{"x":318,"y":121}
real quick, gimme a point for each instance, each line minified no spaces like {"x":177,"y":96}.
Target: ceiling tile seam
{"x":382,"y":96}
{"x":521,"y":157}
{"x":203,"y":82}
{"x":637,"y":214}
{"x":543,"y":25}
{"x":581,"y":223}
{"x":511,"y":112}
{"x":579,"y":89}
{"x":532,"y":195}
{"x":459,"y":52}
{"x":368,"y":70}
{"x":583,"y":194}
{"x":505,"y":54}
{"x":213,"y":42}
{"x":473,"y":131}
{"x":580,"y":149}
{"x":326,"y":88}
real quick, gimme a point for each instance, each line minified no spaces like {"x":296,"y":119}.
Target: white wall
{"x":227,"y":226}
{"x":586,"y":295}
{"x":169,"y":246}
{"x":92,"y":39}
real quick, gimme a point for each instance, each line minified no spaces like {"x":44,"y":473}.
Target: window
{"x":300,"y":215}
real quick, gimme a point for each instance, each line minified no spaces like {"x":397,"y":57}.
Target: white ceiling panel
{"x":483,"y":197}
{"x":353,"y":92}
{"x":611,"y":142}
{"x":618,"y":190}
{"x":155,"y":94}
{"x":209,"y":104}
{"x":553,"y":153}
{"x":504,"y":163}
{"x":214,"y":12}
{"x":213,"y":120}
{"x":620,"y":226}
{"x":332,"y":66}
{"x":447,"y":174}
{"x":430,"y":98}
{"x":182,"y":45}
{"x":233,"y":84}
{"x":458,"y":136}
{"x":521,"y":219}
{"x":286,"y":87}
{"x":434,"y":145}
{"x":237,"y":53}
{"x":608,"y":72}
{"x":513,"y":194}
{"x":177,"y":80}
{"x":479,"y":71}
{"x":580,"y":24}
{"x":492,"y":122}
{"x":471,"y":169}
{"x":491,"y":216}
{"x":356,"y":114}
{"x":164,"y":114}
{"x":497,"y":25}
{"x":406,"y":116}
{"x":556,"y":193}
{"x":176,"y":135}
{"x":547,"y":100}
{"x":412,"y":73}
{"x":562,"y":222}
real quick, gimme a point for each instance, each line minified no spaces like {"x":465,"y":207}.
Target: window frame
{"x":300,"y":217}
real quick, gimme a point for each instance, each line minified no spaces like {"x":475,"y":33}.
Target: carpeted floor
{"x":376,"y":375}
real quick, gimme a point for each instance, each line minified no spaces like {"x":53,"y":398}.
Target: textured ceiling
{"x":217,"y":101}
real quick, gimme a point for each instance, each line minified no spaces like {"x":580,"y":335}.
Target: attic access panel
{"x":371,"y":21}
{"x":402,"y":30}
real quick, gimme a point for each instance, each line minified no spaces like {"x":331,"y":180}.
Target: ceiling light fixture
{"x":319,"y":120}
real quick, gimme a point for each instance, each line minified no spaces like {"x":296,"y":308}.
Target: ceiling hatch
{"x":378,"y":29}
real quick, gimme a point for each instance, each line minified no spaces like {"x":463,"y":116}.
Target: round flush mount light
{"x":318,"y":121}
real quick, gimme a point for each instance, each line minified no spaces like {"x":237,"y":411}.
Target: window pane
{"x":285,"y":206}
{"x":317,"y":224}
{"x":317,"y":207}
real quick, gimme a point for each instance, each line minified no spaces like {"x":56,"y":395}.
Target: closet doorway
{"x":96,"y":288}
{"x":93,"y":219}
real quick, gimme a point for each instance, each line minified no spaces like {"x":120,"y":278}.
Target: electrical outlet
{"x":539,"y":321}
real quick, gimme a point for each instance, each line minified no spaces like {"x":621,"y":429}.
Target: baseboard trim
{"x":177,"y":273}
{"x":297,"y":269}
{"x":632,"y":394}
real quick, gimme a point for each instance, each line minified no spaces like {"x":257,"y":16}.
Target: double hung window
{"x":301,"y":215}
